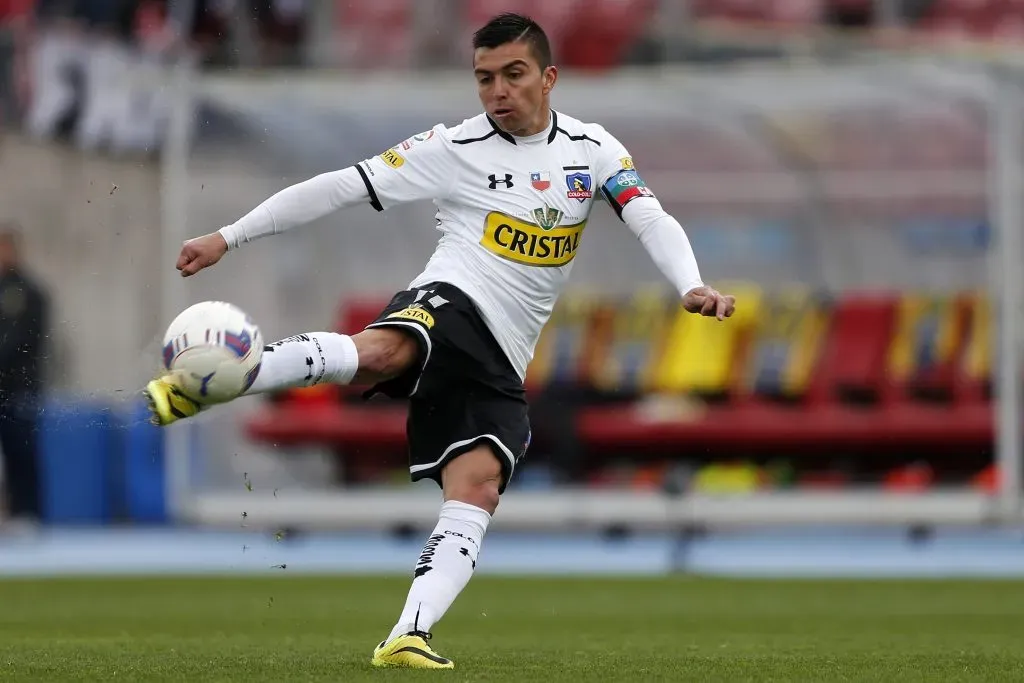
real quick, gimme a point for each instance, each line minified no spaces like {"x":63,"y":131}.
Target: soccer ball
{"x":214,"y":351}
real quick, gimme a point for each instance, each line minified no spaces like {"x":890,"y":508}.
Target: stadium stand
{"x":999,"y":20}
{"x":601,"y":34}
{"x":796,"y":372}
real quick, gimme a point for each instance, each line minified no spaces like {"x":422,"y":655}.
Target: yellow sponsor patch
{"x":530,"y":244}
{"x":415,"y":313}
{"x":627,"y":163}
{"x":392,"y":158}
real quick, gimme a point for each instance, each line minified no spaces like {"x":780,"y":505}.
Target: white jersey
{"x":511,"y":211}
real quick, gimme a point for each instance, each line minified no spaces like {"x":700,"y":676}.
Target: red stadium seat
{"x":765,"y":428}
{"x":925,"y":347}
{"x":602,"y":32}
{"x":356,"y":313}
{"x":377,"y":33}
{"x":853,"y":360}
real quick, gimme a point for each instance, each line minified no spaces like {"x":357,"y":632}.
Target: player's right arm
{"x":661,"y":234}
{"x":421,"y":167}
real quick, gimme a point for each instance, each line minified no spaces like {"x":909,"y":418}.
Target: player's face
{"x":513,"y":88}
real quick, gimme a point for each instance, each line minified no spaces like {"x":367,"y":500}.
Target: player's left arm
{"x":421,"y":167}
{"x":662,"y":236}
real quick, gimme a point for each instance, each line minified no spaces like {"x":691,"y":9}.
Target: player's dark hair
{"x":511,"y":28}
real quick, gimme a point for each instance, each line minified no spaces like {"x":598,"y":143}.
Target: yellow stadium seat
{"x":625,"y":359}
{"x":562,"y":345}
{"x":977,"y":360}
{"x":926,"y":335}
{"x":699,"y":352}
{"x":787,"y":343}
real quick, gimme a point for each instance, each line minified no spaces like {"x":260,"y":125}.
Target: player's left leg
{"x":303,"y":360}
{"x":472,"y":483}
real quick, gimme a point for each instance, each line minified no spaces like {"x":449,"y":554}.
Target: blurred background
{"x":849,"y":169}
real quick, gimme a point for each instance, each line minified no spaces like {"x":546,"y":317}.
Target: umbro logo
{"x":507,"y":181}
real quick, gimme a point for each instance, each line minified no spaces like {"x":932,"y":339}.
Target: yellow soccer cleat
{"x":166,"y":402}
{"x":411,"y":652}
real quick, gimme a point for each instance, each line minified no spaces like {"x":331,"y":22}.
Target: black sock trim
{"x":424,"y":653}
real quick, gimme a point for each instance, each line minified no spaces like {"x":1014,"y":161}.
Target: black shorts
{"x":463,"y":392}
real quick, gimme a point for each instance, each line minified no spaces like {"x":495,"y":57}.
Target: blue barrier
{"x":144,"y":480}
{"x":99,"y":464}
{"x":826,"y":553}
{"x":77,"y":456}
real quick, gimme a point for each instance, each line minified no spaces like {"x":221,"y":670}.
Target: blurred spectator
{"x":23,"y":328}
{"x":91,"y":72}
{"x":859,"y":14}
{"x":254,"y":33}
{"x":56,"y":68}
{"x":281,"y":25}
{"x":14,"y":16}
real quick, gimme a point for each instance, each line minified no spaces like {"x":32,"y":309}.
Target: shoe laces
{"x":425,"y":635}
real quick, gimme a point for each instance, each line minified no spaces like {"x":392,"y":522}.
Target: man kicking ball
{"x":514,"y":187}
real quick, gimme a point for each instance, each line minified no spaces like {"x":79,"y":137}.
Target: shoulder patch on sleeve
{"x":624,"y":187}
{"x":409,"y":143}
{"x":392,"y":158}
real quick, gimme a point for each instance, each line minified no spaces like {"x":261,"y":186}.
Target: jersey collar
{"x":554,"y":126}
{"x":508,"y":137}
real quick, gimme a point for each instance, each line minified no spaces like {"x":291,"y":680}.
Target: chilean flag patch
{"x":541,"y":180}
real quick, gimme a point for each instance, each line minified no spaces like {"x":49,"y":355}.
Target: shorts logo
{"x":627,"y":164}
{"x":392,"y":158}
{"x":415,"y":312}
{"x":417,"y":139}
{"x":579,"y":186}
{"x":531,"y":244}
{"x":541,"y":180}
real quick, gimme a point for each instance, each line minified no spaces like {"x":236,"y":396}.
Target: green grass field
{"x":323,"y":629}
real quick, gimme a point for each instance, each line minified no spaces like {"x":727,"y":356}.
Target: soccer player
{"x":513,"y":187}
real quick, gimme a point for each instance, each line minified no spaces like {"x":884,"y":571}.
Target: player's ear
{"x":549,"y":77}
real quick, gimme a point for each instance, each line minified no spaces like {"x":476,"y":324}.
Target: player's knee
{"x":384,"y":353}
{"x":481,"y":494}
{"x":474,"y":478}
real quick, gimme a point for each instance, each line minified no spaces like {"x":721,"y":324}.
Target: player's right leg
{"x":472,"y":483}
{"x":303,"y":360}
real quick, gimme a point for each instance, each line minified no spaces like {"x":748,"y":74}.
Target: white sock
{"x":444,"y":567}
{"x":306,"y":359}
